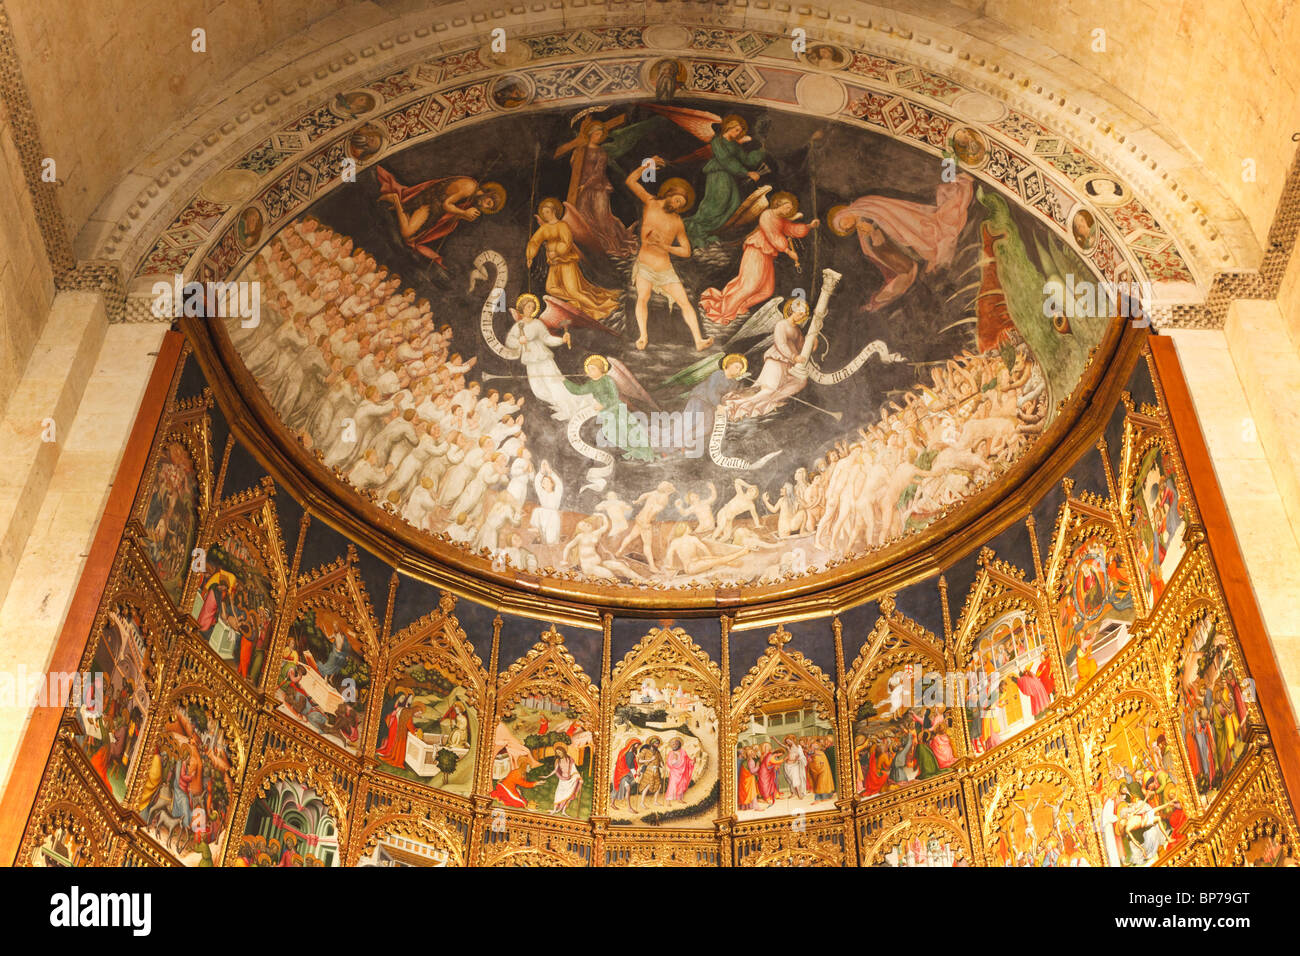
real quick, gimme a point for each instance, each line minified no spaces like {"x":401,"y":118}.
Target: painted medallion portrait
{"x":523,"y":340}
{"x":664,"y":764}
{"x":543,"y":752}
{"x":428,"y":729}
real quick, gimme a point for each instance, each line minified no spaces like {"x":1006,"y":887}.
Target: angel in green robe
{"x":730,"y":163}
{"x":619,"y":428}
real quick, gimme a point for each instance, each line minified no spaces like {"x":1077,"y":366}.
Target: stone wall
{"x":1219,"y":76}
{"x":26,"y":281}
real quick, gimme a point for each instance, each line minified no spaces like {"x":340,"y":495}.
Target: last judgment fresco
{"x":646,"y":343}
{"x":689,"y":341}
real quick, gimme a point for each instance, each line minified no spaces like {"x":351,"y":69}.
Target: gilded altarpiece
{"x":1094,"y":709}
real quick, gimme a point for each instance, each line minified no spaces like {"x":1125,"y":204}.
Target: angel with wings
{"x":782,"y":328}
{"x":600,"y":143}
{"x":608,"y":381}
{"x":534,"y":339}
{"x":729,"y":162}
{"x":564,"y":278}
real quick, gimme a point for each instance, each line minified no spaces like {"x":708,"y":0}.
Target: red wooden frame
{"x":1239,"y":594}
{"x":43,"y":727}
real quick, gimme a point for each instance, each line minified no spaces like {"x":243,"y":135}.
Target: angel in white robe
{"x":534,"y":340}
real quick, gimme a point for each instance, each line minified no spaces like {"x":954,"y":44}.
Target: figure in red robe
{"x":1033,"y":688}
{"x":448,"y":202}
{"x":756,"y":279}
{"x":898,"y":235}
{"x":875,"y":776}
{"x":507,"y":789}
{"x":400,"y":723}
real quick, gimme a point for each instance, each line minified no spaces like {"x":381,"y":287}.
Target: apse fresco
{"x":428,"y":728}
{"x":1095,"y":608}
{"x":647,"y":343}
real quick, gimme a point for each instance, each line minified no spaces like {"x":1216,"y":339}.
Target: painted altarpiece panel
{"x":1090,"y":588}
{"x":1010,"y":662}
{"x":905,"y":713}
{"x":1154,"y":501}
{"x":427,"y":724}
{"x":921,"y":827}
{"x":664,"y":741}
{"x":400,"y":826}
{"x":325,"y":657}
{"x":71,"y":823}
{"x":194,"y":760}
{"x":1032,"y":806}
{"x":234,"y":600}
{"x":132,"y":634}
{"x":544,"y":742}
{"x":784,"y":724}
{"x":176,"y":497}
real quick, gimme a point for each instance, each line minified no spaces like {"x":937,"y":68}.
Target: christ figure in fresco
{"x":662,"y":236}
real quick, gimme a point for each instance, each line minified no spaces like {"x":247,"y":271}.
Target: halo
{"x":789,"y":307}
{"x":734,"y":119}
{"x":600,"y":360}
{"x":681,"y":187}
{"x":832,"y":220}
{"x":736,"y":357}
{"x":527,"y":297}
{"x":496,"y":191}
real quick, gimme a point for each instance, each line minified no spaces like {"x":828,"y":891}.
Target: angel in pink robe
{"x":898,"y":235}
{"x":680,"y":768}
{"x":757,"y":276}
